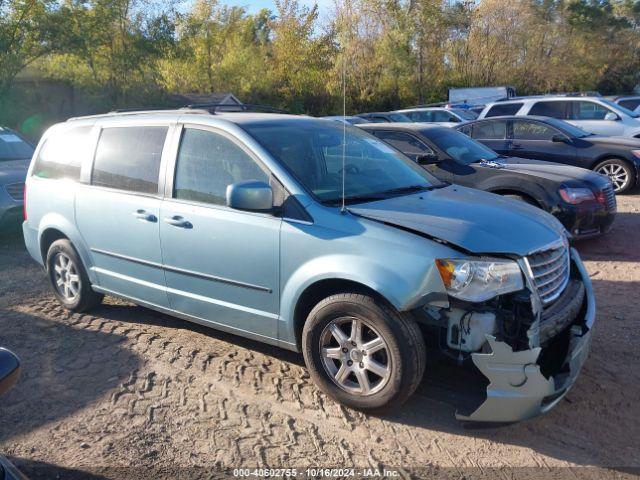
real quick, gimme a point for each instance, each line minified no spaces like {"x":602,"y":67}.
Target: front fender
{"x":518,"y":185}
{"x":404,"y":292}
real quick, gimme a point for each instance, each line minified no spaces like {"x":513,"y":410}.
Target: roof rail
{"x":230,"y":107}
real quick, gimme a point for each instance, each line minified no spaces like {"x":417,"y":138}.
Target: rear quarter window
{"x":128,"y":158}
{"x":62,"y":154}
{"x":504,"y":109}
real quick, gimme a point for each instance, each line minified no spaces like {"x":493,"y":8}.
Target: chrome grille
{"x":550,"y":269}
{"x":15,"y":190}
{"x":610,"y":198}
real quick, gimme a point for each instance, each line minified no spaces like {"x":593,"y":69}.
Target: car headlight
{"x":479,"y":280}
{"x":576,"y":196}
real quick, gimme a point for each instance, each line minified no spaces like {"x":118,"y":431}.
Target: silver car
{"x":316,"y":237}
{"x":15,"y":155}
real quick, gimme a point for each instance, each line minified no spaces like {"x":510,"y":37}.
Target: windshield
{"x":465,"y":114}
{"x":400,"y":117}
{"x":458,"y":146}
{"x":12,"y":147}
{"x":567,"y":128}
{"x":312,"y":152}
{"x":620,"y":108}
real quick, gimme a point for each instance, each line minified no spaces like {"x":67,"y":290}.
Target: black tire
{"x":404,"y":350}
{"x":86,"y":298}
{"x":620,"y":172}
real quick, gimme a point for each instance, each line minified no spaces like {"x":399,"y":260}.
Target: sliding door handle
{"x":178,"y":221}
{"x":145,"y":216}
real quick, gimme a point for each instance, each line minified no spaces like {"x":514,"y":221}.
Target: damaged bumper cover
{"x":517,"y":388}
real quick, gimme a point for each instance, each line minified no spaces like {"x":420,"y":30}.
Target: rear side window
{"x":501,"y":109}
{"x":128,"y":158}
{"x":551,"y":109}
{"x":494,"y":130}
{"x":207,"y":163}
{"x":62,"y":154}
{"x":421,"y":116}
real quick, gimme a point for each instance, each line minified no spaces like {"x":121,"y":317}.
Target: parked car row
{"x":280,"y":227}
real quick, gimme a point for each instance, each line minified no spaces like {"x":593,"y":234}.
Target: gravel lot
{"x":129,"y":393}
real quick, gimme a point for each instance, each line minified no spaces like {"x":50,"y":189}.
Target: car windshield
{"x":400,"y":117}
{"x":312,"y":151}
{"x":13,"y":147}
{"x":619,"y":108}
{"x":465,"y":114}
{"x":567,"y":128}
{"x":458,"y":146}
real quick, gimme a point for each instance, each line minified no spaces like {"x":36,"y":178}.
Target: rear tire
{"x":619,"y":172}
{"x":69,"y":279}
{"x":362,"y":352}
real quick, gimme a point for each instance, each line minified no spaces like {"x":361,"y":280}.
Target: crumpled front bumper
{"x":517,"y":388}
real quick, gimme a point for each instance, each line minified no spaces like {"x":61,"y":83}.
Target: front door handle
{"x":516,"y":146}
{"x":178,"y":221}
{"x":145,"y":216}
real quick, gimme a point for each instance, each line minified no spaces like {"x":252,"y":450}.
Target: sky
{"x":254,"y":6}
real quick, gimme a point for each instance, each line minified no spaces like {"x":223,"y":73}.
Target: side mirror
{"x":251,"y":195}
{"x":428,"y":159}
{"x":612,"y":117}
{"x":559,"y":139}
{"x":9,"y":369}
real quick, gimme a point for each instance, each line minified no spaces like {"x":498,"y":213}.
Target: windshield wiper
{"x":408,"y":189}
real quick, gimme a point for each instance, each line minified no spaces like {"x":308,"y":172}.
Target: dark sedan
{"x":582,"y":200}
{"x":554,"y":140}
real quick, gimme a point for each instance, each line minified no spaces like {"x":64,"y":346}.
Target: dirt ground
{"x":129,"y":393}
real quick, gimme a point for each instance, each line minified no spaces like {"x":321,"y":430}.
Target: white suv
{"x":594,"y":114}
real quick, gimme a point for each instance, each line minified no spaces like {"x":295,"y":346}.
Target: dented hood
{"x":473,"y":220}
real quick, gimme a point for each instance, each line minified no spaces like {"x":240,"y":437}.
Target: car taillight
{"x":24,"y":202}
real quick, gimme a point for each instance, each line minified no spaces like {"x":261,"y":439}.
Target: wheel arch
{"x":514,"y":191}
{"x":322,"y":289}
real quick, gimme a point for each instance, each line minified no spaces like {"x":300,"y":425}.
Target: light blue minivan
{"x":313,"y":236}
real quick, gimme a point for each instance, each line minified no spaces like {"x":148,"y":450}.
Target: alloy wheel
{"x":616,"y":173}
{"x":355,"y":356}
{"x":67,"y":279}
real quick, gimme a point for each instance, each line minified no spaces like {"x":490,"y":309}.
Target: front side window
{"x":589,"y":111}
{"x":405,"y":142}
{"x":13,"y":147}
{"x":551,"y":109}
{"x":207,"y":163}
{"x":317,"y":155}
{"x":128,"y":158}
{"x":502,"y":109}
{"x":62,"y":154}
{"x":523,"y":130}
{"x":494,"y":130}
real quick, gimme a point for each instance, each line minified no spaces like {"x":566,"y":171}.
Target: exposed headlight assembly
{"x":479,"y":280}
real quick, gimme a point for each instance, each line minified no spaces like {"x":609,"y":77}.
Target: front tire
{"x":619,"y":172}
{"x":69,"y":279}
{"x":363,"y":353}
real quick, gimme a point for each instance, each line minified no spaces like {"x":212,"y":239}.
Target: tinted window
{"x":129,"y":158}
{"x":501,"y":109}
{"x":207,"y":163}
{"x":551,"y":109}
{"x":13,"y":147}
{"x":421,"y":116}
{"x":495,"y":130}
{"x":405,"y":142}
{"x":62,"y":154}
{"x":533,"y":131}
{"x":377,"y":120}
{"x":630,"y":104}
{"x":588,"y":111}
{"x":460,"y":147}
{"x":442,"y":116}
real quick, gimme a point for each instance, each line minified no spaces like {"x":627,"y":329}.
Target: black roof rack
{"x":230,"y":107}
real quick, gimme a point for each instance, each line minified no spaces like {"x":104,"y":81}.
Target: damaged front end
{"x":531,"y":344}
